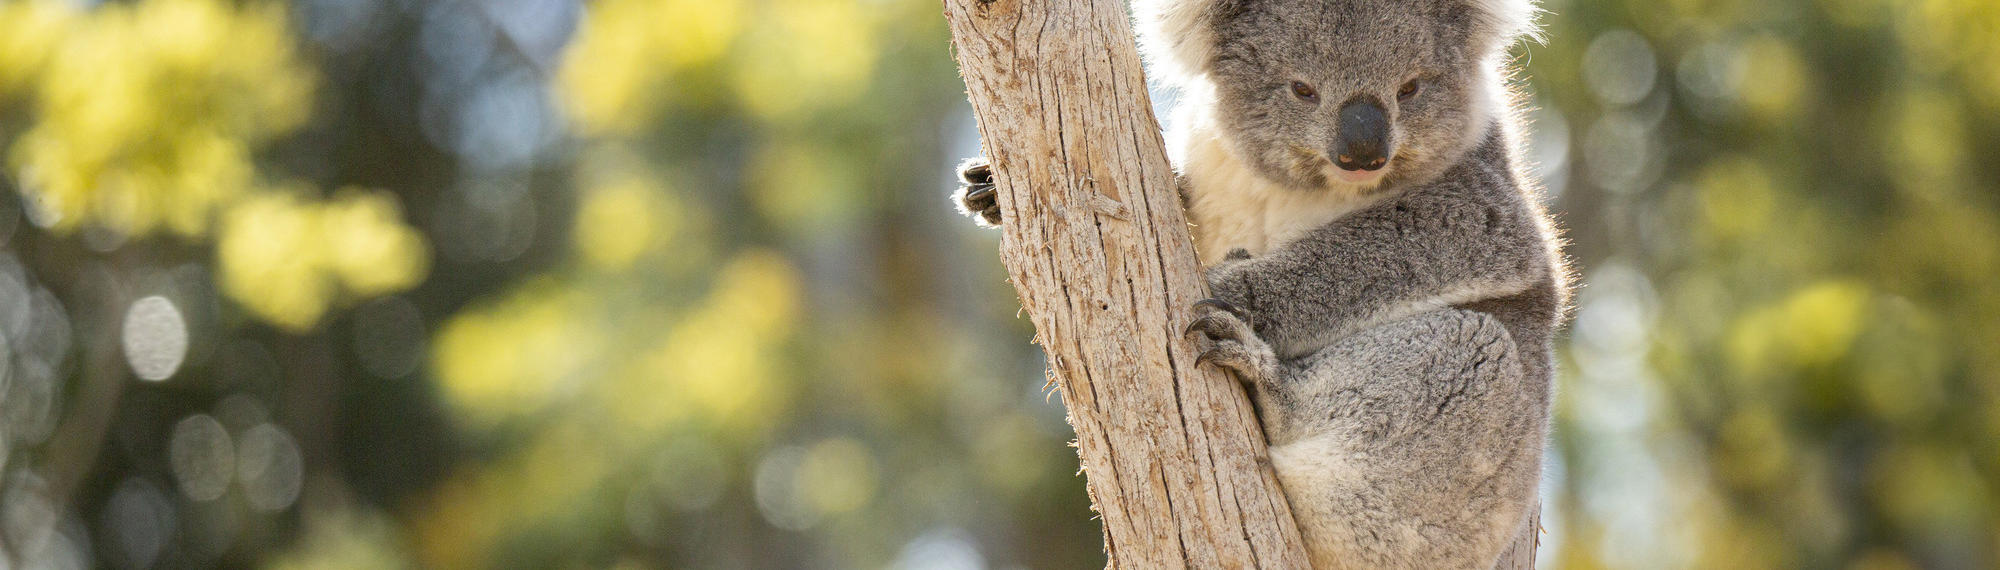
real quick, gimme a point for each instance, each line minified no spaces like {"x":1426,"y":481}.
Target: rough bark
{"x":1095,"y":241}
{"x":1521,"y":555}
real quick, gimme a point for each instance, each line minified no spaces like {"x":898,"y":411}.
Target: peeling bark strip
{"x":1095,"y":241}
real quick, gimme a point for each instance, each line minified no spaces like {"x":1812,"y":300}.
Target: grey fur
{"x":1345,"y":50}
{"x":1406,"y":425}
{"x":1396,"y":334}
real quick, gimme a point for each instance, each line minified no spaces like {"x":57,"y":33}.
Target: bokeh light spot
{"x":203,"y":457}
{"x":138,"y":521}
{"x":837,"y":476}
{"x":777,"y":490}
{"x":941,"y":549}
{"x":616,"y":223}
{"x":28,"y":516}
{"x":1620,"y":153}
{"x":155,"y":338}
{"x":1619,"y":67}
{"x":33,"y":400}
{"x":1781,"y":79}
{"x":270,"y":467}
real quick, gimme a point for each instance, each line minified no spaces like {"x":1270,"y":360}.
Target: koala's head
{"x":1321,"y":94}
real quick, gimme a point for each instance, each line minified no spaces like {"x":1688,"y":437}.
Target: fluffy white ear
{"x":1500,"y":23}
{"x":1175,"y":37}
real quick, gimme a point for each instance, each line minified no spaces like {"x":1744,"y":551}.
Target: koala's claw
{"x":1224,"y":306}
{"x":1230,"y":341}
{"x":1211,"y":327}
{"x":1205,"y":357}
{"x":977,"y":196}
{"x":1238,"y":254}
{"x":981,"y":197}
{"x":976,"y":170}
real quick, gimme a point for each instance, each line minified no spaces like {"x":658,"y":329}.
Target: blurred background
{"x":673,"y":283}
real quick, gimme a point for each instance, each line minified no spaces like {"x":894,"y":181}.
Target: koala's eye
{"x":1304,"y":92}
{"x":1408,"y":90}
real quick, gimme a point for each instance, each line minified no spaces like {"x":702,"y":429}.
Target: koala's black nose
{"x":1364,"y":135}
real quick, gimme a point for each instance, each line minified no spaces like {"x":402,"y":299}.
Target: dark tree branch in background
{"x":75,"y":445}
{"x":1096,"y":242}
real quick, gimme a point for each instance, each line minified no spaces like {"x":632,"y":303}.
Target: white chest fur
{"x":1231,"y":206}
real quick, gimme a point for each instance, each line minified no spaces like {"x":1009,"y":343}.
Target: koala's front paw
{"x":1228,"y":281}
{"x":1231,"y":342}
{"x":976,"y":194}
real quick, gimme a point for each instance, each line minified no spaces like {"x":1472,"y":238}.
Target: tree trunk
{"x":1521,"y":555}
{"x":1095,"y":241}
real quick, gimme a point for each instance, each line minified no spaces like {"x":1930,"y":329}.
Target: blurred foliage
{"x":529,"y":283}
{"x":145,"y":115}
{"x":1784,"y":353}
{"x":145,"y":118}
{"x":657,"y":283}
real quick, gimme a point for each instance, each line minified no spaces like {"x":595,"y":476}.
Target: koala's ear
{"x":1177,"y":36}
{"x":1497,"y":24}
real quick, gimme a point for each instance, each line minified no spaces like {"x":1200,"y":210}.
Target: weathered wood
{"x":1521,"y":556}
{"x":1095,"y":241}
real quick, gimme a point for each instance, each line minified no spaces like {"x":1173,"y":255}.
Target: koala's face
{"x":1326,"y":94}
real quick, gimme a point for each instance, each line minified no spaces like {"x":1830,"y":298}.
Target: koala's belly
{"x":1315,"y":461}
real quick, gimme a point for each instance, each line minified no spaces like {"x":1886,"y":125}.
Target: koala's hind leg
{"x":1414,"y":444}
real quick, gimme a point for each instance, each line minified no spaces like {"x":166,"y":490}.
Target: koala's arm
{"x":1439,"y":245}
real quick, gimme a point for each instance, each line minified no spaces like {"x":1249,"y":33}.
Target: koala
{"x":1385,"y":282}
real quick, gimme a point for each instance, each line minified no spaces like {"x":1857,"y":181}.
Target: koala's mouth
{"x":1324,"y":173}
{"x":1359,"y":177}
{"x":1309,"y":169}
